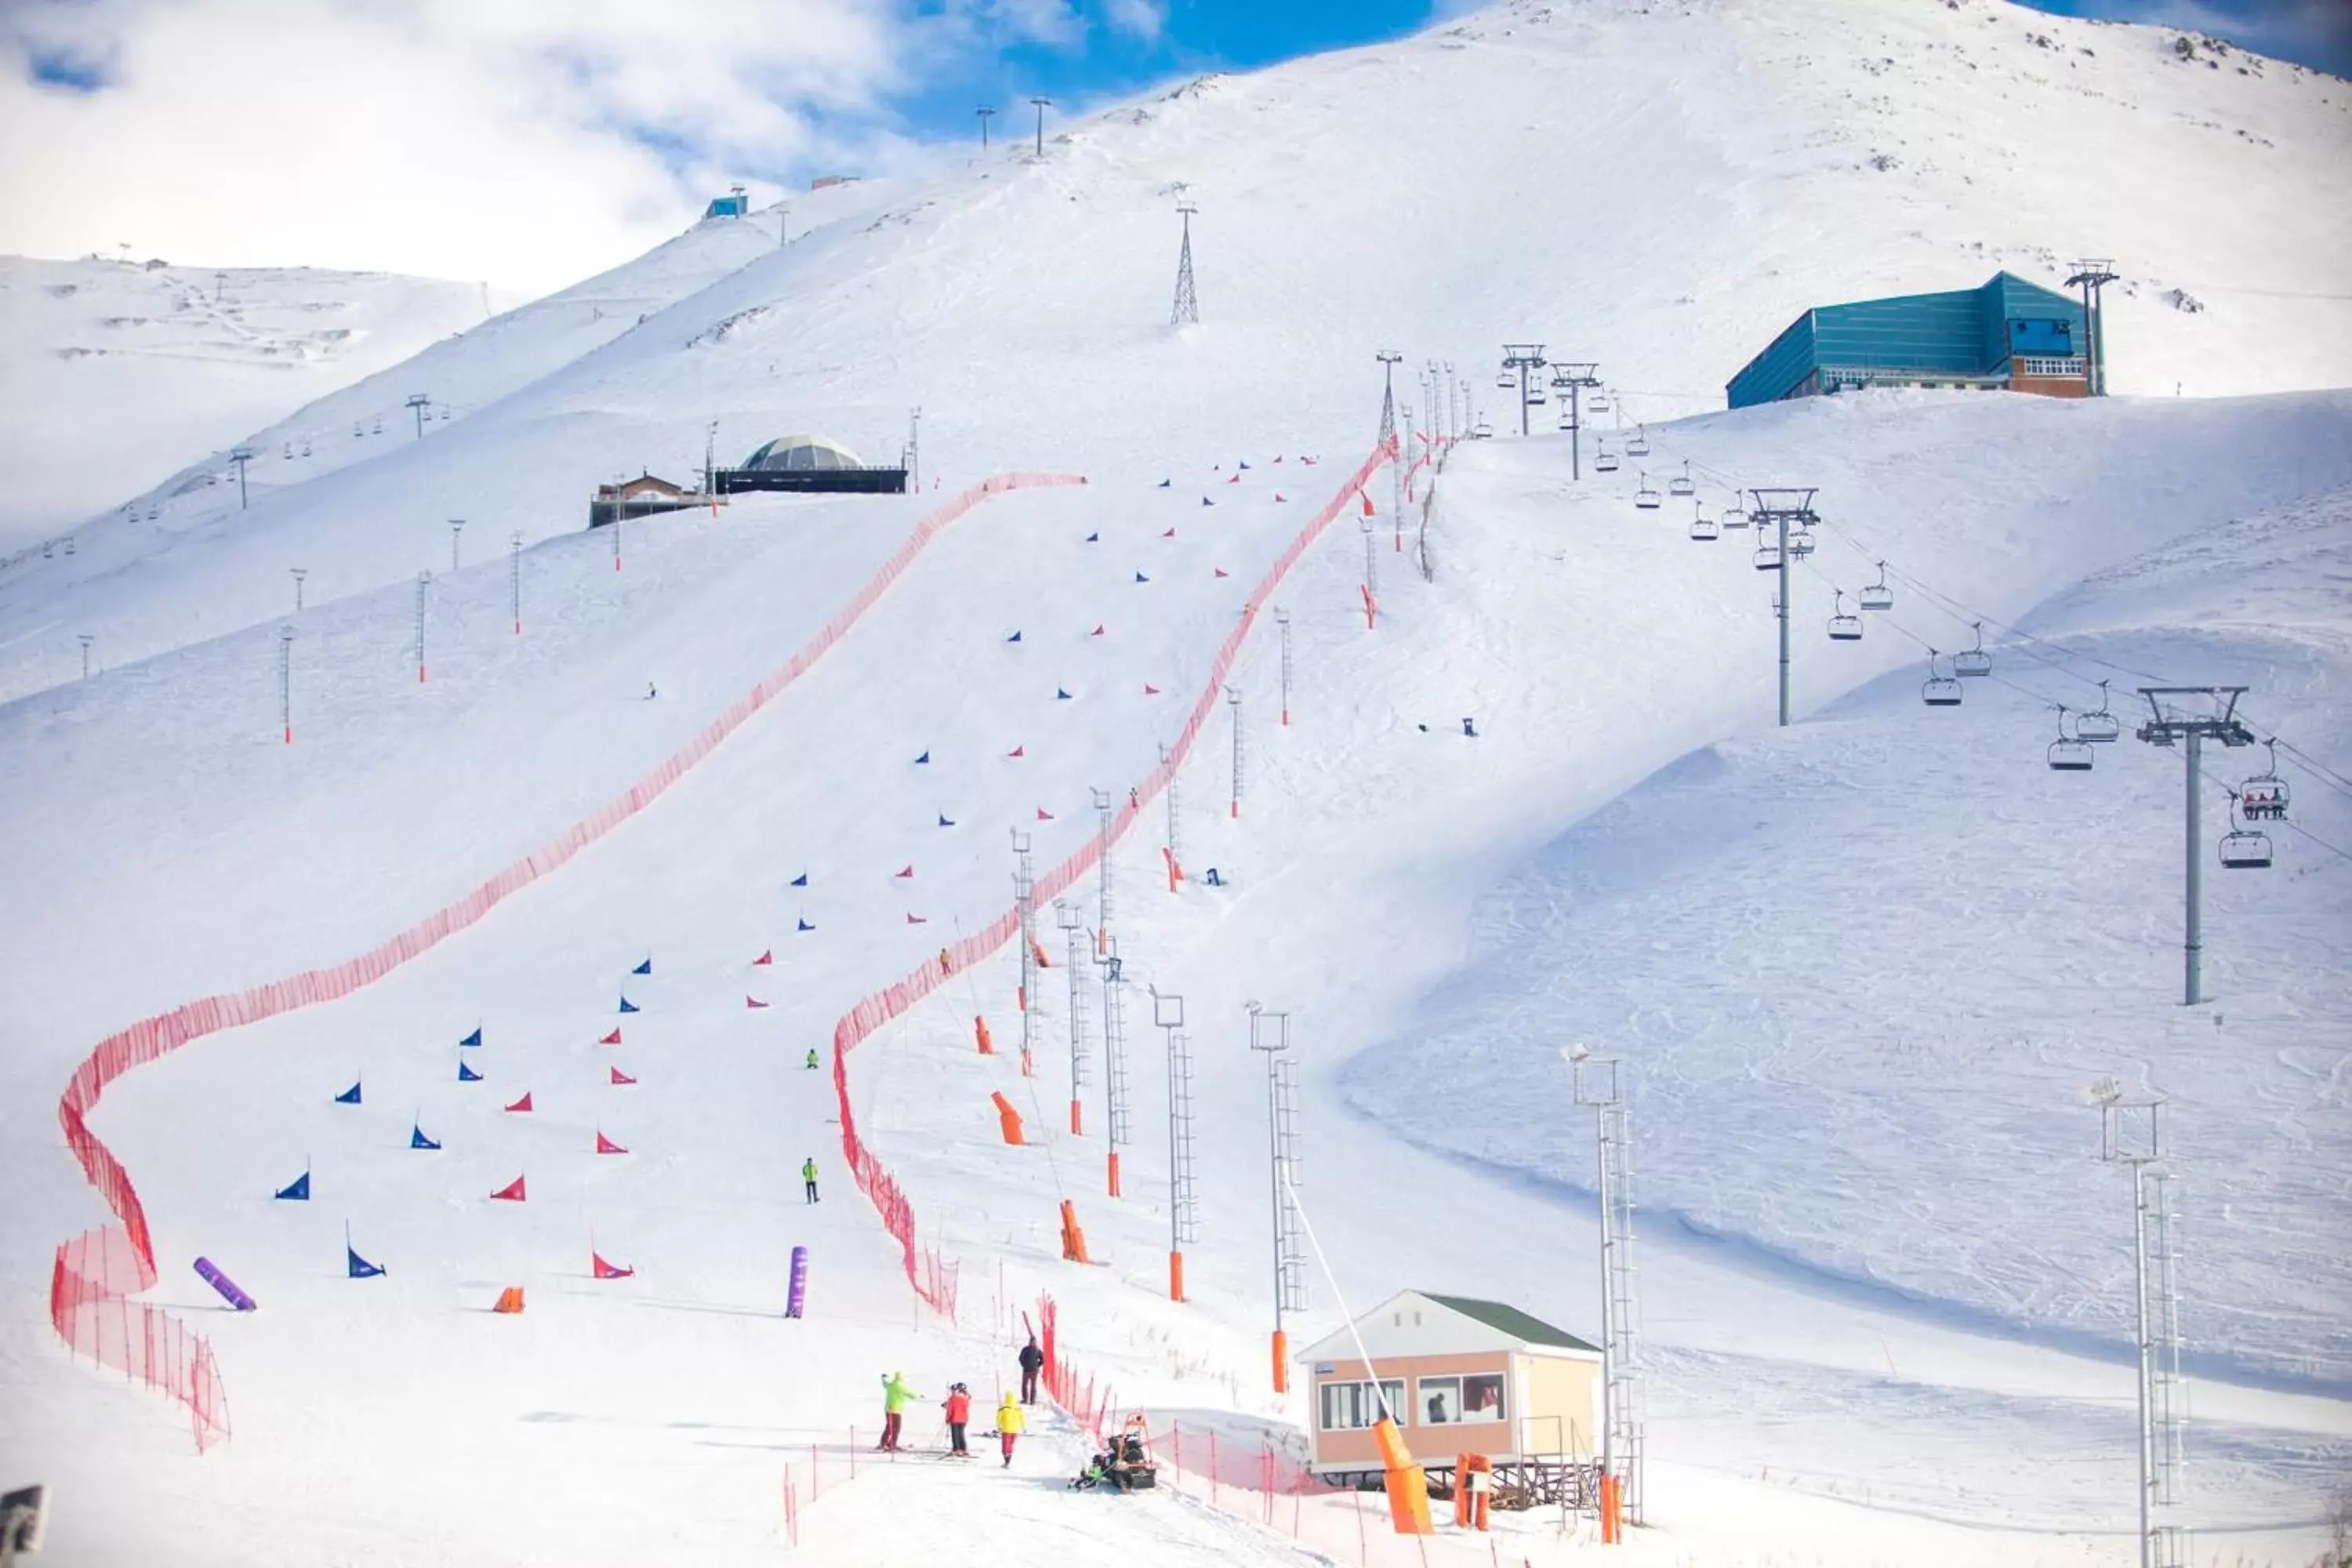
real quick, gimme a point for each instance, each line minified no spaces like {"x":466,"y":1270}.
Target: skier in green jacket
{"x":896,"y":1398}
{"x":808,"y":1177}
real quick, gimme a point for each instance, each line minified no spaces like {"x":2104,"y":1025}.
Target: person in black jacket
{"x":1032,"y":1359}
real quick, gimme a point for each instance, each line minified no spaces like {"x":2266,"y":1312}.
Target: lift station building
{"x":2009,"y":335}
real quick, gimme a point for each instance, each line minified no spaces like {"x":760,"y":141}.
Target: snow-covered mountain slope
{"x":1658,"y":188}
{"x":117,"y":375}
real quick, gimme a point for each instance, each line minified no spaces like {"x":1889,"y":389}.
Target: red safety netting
{"x":95,"y":1271}
{"x":933,"y":1279}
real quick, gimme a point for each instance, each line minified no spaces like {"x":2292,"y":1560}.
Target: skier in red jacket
{"x":959,"y":1410}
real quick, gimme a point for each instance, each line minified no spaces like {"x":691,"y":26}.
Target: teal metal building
{"x":2008,"y":334}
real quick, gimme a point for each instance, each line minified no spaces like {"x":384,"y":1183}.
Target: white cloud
{"x":1137,"y":18}
{"x":529,"y":142}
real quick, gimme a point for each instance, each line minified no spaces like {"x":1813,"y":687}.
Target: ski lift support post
{"x":1523,"y":358}
{"x":2189,"y":715}
{"x":1777,"y":509}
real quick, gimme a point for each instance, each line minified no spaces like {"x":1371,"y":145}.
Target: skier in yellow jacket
{"x":1009,"y":1425}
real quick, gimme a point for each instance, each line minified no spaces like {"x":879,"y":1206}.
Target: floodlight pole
{"x":1042,"y":103}
{"x":514,"y":578}
{"x":1270,"y":1033}
{"x":1024,"y":901}
{"x":2171,"y":721}
{"x":417,"y":404}
{"x":915,"y":449}
{"x":299,"y":572}
{"x":1234,"y":703}
{"x":423,"y":578}
{"x":85,"y":639}
{"x":1175,"y":842}
{"x":1102,"y":799}
{"x":1453,"y":421}
{"x":456,"y":527}
{"x":1596,"y":1084}
{"x":1282,"y":626}
{"x":286,"y":682}
{"x":985,"y":112}
{"x":2131,"y":1134}
{"x":1118,"y":1130}
{"x":1168,"y":1014}
{"x":241,"y":456}
{"x":1072,"y":921}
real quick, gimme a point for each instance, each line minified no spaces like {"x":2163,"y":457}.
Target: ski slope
{"x":119,"y":374}
{"x":1871,"y":1335}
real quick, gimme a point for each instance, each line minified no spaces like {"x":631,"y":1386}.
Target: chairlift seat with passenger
{"x":2263,"y":797}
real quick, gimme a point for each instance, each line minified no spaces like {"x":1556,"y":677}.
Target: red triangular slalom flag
{"x":753,"y":1002}
{"x":1097,"y":631}
{"x":1169,"y":534}
{"x":604,"y":1270}
{"x":1149,"y":690}
{"x":1222,"y":573}
{"x":766,"y":957}
{"x":620,"y":1077}
{"x":916,"y":920}
{"x":1366,"y":496}
{"x":1021,"y":750}
{"x":605,"y":1145}
{"x":1279,"y":496}
{"x":513,"y":1192}
{"x":1235,"y":481}
{"x":1045,"y":816}
{"x":523,"y":1104}
{"x":611,"y":1039}
{"x":907,"y":870}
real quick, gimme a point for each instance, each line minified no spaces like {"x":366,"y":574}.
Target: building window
{"x":1442,"y":1401}
{"x":1351,"y":1407}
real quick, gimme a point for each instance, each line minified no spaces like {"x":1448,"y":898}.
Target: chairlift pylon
{"x":2100,"y":726}
{"x":1645,"y":498}
{"x":1842,"y":626}
{"x":1974,"y":661}
{"x":1878,"y":596}
{"x":1682,"y":486}
{"x":1938,"y":690}
{"x":2067,"y":754}
{"x":2263,"y":797}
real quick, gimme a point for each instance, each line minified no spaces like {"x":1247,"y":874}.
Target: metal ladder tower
{"x":1102,"y":872}
{"x":1175,"y":820}
{"x":1598,"y":1086}
{"x":1270,"y":1033}
{"x":1119,"y":1131}
{"x":1183,"y":1230}
{"x":2131,"y":1134}
{"x":1282,"y":626}
{"x":1188,"y":304}
{"x":1025,"y":900}
{"x":1072,"y":920}
{"x":1234,"y":703}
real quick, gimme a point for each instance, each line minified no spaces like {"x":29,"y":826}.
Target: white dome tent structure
{"x":804,"y":464}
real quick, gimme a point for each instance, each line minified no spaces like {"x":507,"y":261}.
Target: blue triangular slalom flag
{"x":945,"y":821}
{"x":473,"y":1039}
{"x":645,"y":968}
{"x":1093,"y":539}
{"x":1014,"y":637}
{"x":628,"y":1005}
{"x":1206,"y":502}
{"x":350,"y":1096}
{"x":360,"y":1268}
{"x":1163,"y":484}
{"x":465,"y":1073}
{"x":1060,"y":695}
{"x":805,"y":926}
{"x":1244,"y":462}
{"x":922,"y":760}
{"x":802,"y":880}
{"x":297,"y":1190}
{"x":416,"y":1139}
{"x":1141,"y":578}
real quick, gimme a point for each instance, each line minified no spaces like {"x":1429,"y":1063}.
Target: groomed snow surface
{"x":1859,"y":969}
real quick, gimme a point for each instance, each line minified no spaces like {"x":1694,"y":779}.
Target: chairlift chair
{"x":2067,"y":754}
{"x":1842,"y":626}
{"x":1938,"y":690}
{"x":2099,"y":726}
{"x":1974,"y":661}
{"x":1567,"y":418}
{"x":1600,"y":404}
{"x":1682,"y":486}
{"x":1482,"y":430}
{"x":1733,"y":517}
{"x":1606,"y":462}
{"x":1536,"y":397}
{"x":1506,"y":379}
{"x":1800,"y":544}
{"x":379,"y":424}
{"x":1767,"y":555}
{"x":1645,"y":498}
{"x":1639,"y":447}
{"x":1878,"y":596}
{"x":2245,"y":849}
{"x":2263,"y":797}
{"x":1704,"y":530}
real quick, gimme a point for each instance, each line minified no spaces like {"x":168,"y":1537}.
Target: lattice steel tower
{"x":1270,"y":1033}
{"x":1119,"y":1131}
{"x":1168,"y":1014}
{"x":2131,"y":1134}
{"x":1188,"y":304}
{"x":1072,"y":920}
{"x":1025,"y":900}
{"x":1597,"y":1086}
